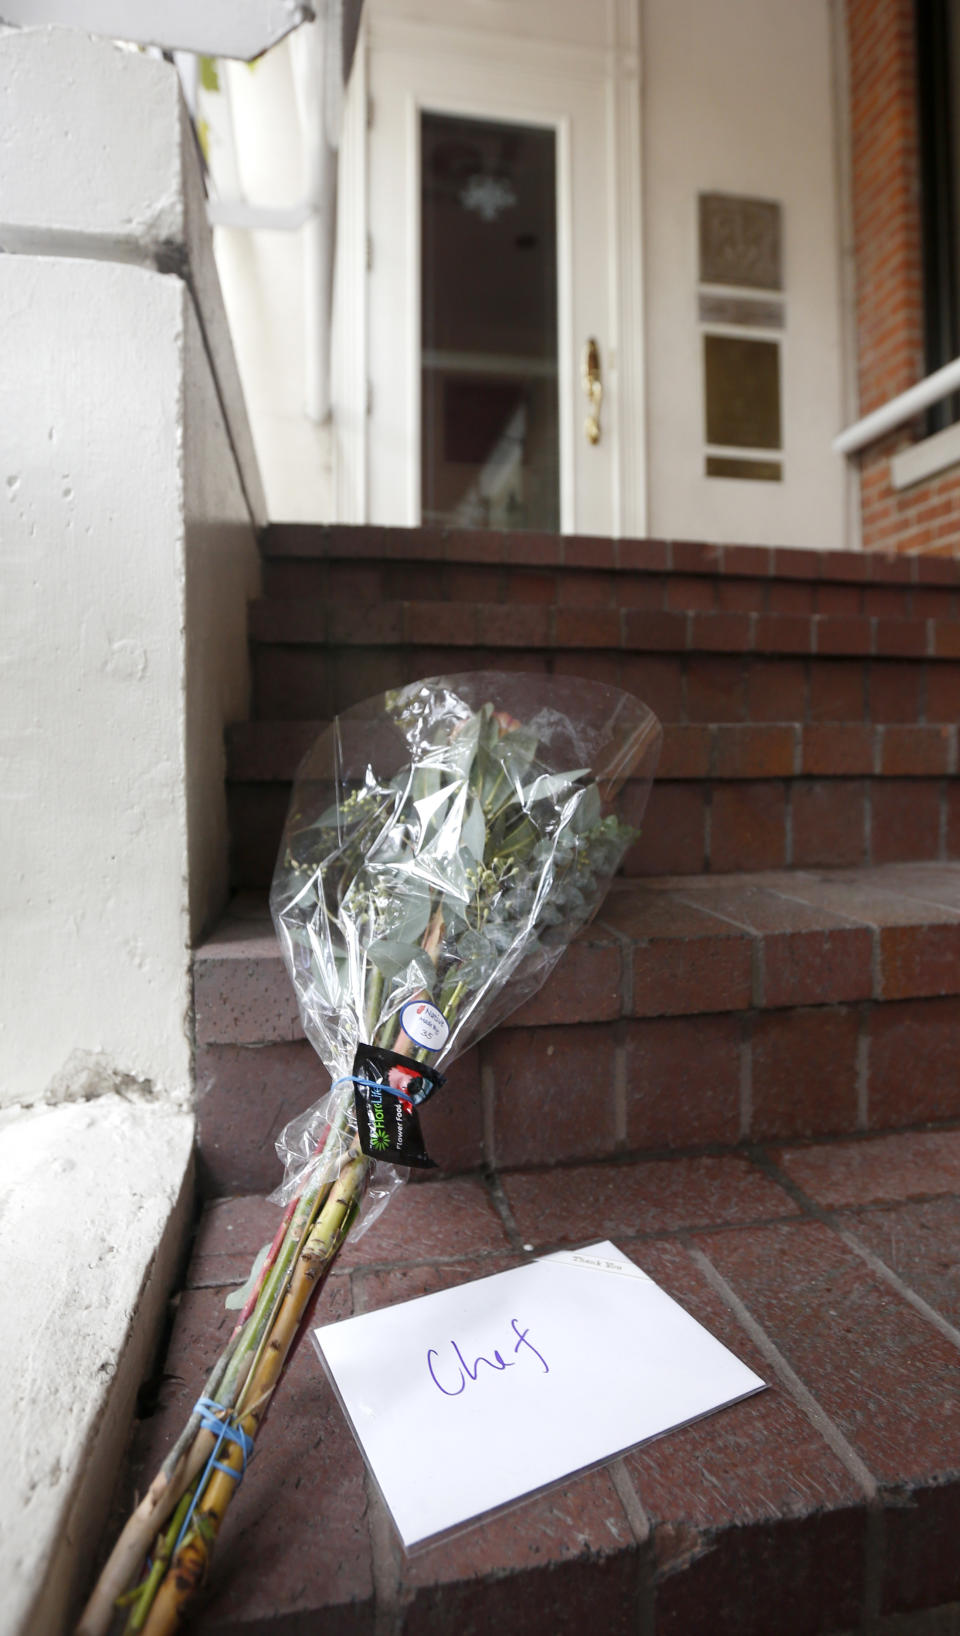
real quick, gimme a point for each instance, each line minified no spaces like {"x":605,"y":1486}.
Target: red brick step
{"x":693,"y":1012}
{"x":297,"y":622}
{"x":727,"y":796}
{"x":825,"y":1504}
{"x":714,"y":667}
{"x":446,"y":550}
{"x":810,"y":699}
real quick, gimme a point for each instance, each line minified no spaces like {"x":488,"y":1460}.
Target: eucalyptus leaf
{"x":238,"y":1297}
{"x":453,"y":912}
{"x":515,"y":752}
{"x":414,"y":918}
{"x":391,"y":958}
{"x":473,"y":834}
{"x":472,"y":944}
{"x":588,"y":809}
{"x":549,"y":785}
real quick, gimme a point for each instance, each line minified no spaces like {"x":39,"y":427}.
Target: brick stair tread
{"x":811,"y":1508}
{"x":269,"y":751}
{"x":314,"y":621}
{"x":668,"y":946}
{"x":655,"y":556}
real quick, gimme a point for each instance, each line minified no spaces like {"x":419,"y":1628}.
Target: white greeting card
{"x":468,"y":1399}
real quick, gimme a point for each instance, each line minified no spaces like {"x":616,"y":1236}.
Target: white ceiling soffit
{"x":214,"y":28}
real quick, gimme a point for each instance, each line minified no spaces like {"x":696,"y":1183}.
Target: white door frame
{"x":613,"y":64}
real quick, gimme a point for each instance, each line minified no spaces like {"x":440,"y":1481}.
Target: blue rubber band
{"x":215,"y":1418}
{"x":212,"y":1419}
{"x":380,"y":1085}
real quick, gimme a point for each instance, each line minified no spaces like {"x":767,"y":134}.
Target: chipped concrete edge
{"x":65,"y":1559}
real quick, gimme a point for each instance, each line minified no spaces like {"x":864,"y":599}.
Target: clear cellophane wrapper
{"x":445,"y":842}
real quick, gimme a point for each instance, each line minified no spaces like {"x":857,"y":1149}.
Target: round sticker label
{"x":424,"y":1025}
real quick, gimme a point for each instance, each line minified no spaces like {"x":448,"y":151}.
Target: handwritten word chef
{"x":466,"y":1371}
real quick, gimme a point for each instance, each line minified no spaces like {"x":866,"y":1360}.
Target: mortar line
{"x":488,"y":1090}
{"x":746,"y":1077}
{"x":630,"y":1500}
{"x":832,"y":1220}
{"x":890,"y":1276}
{"x":804,"y":1398}
{"x":502,"y":1206}
{"x":620,"y":1091}
{"x":629,"y":1497}
{"x":863,"y":1070}
{"x":874,"y":1546}
{"x":385,"y":1567}
{"x":625,"y":945}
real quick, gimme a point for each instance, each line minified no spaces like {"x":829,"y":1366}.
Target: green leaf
{"x":549,"y":785}
{"x":209,"y":74}
{"x":414,"y":919}
{"x":238,"y":1297}
{"x":587,"y":811}
{"x":453,"y":914}
{"x":473,"y":832}
{"x":391,"y":957}
{"x":515,"y":752}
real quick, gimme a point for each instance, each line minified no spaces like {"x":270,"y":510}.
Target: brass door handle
{"x":593,"y":386}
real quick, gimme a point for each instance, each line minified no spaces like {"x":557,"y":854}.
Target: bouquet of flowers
{"x":444,"y":844}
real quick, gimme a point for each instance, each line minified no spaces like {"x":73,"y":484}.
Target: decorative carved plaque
{"x":740,"y":241}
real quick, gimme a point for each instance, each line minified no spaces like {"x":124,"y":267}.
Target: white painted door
{"x":519,"y":135}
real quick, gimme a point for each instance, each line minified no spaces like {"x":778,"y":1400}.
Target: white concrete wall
{"x":738,"y":99}
{"x":95,"y":843}
{"x":129,"y":499}
{"x":126,"y":492}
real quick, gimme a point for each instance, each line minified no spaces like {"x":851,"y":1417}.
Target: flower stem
{"x":145,"y":1593}
{"x":189,"y":1565}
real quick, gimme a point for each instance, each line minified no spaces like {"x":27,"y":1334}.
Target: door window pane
{"x":490,"y":445}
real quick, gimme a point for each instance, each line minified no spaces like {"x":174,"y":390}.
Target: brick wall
{"x":887,"y":242}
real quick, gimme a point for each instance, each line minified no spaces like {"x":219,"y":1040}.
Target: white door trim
{"x":627,"y":269}
{"x":349,"y":388}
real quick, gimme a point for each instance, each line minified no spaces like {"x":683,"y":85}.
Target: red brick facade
{"x":887,"y":240}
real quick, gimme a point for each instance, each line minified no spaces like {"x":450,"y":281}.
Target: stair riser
{"x":310,"y":682}
{"x":688,"y":1014}
{"x":369,"y":581}
{"x":711,"y":826}
{"x":588,"y":1091}
{"x":269,"y":751}
{"x":632,"y":630}
{"x":348,"y":542}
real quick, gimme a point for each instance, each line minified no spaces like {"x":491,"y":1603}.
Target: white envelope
{"x":466,"y":1400}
